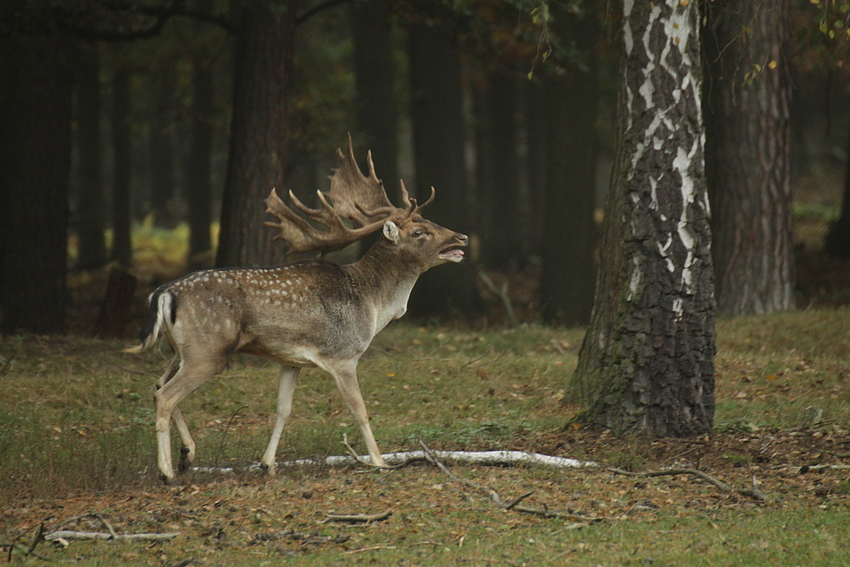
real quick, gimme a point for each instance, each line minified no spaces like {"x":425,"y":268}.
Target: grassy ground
{"x":76,"y":437}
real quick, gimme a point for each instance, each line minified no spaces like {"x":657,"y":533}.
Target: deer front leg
{"x":287,"y":381}
{"x":345,"y":377}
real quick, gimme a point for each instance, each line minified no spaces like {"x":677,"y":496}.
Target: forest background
{"x":138,"y":139}
{"x":118,"y":119}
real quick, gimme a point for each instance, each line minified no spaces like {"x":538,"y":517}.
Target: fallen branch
{"x":808,"y":468}
{"x":73,"y":534}
{"x":400,"y":459}
{"x":357,"y":518}
{"x":720,"y":485}
{"x":62,"y":536}
{"x":370,"y":464}
{"x":514,"y":504}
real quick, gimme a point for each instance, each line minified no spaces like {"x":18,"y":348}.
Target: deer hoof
{"x":185,"y":462}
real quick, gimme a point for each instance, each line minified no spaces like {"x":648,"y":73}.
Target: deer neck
{"x":386,"y":280}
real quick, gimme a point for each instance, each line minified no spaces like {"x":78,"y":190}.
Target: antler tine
{"x":355,"y":196}
{"x":420,"y":208}
{"x":300,"y":236}
{"x":412,"y":205}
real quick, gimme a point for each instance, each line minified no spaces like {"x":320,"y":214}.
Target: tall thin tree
{"x":569,"y":235}
{"x":438,"y":145}
{"x":36,"y":99}
{"x":259,"y":131}
{"x":748,"y":155}
{"x":89,"y":219}
{"x":122,"y":151}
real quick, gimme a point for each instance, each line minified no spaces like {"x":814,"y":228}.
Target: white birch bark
{"x":647,"y":360}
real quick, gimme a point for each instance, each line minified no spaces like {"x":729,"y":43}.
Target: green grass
{"x":76,"y":435}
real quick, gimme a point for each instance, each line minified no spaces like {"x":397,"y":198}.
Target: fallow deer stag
{"x":300,"y":314}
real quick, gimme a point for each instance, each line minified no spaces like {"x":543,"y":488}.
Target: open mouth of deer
{"x":452,"y":253}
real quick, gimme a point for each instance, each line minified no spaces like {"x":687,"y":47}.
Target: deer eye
{"x":418,"y":233}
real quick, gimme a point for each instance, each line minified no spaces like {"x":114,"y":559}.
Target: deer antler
{"x":352,"y":196}
{"x":359,"y":198}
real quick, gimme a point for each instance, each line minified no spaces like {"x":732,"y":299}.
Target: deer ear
{"x":391,"y":232}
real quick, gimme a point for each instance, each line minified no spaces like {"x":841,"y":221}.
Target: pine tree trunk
{"x":375,"y":79}
{"x":161,"y":145}
{"x":200,"y":183}
{"x":259,"y":132}
{"x":122,"y":148}
{"x":749,"y":143}
{"x":36,"y":99}
{"x":569,"y":235}
{"x":504,"y":245}
{"x":89,"y":215}
{"x":837,"y":240}
{"x":438,"y":145}
{"x":646,"y":363}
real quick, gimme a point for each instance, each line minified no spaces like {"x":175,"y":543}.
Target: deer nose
{"x":462,"y":238}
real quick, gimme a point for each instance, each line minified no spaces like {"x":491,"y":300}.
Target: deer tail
{"x":161,"y":311}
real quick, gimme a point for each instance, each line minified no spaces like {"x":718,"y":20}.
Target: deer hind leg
{"x":187,"y":449}
{"x":192,"y":373}
{"x":345,"y":376}
{"x":287,"y":380}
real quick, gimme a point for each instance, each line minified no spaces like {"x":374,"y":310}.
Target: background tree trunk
{"x":161,"y":145}
{"x":36,"y":100}
{"x":837,"y":240}
{"x":375,"y":81}
{"x":199,"y":189}
{"x":122,"y":148}
{"x":504,"y":243}
{"x":438,"y":145}
{"x":259,"y":132}
{"x":749,"y":147}
{"x":89,"y":219}
{"x":646,"y":363}
{"x":568,"y":274}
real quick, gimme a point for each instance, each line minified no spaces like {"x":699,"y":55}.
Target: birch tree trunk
{"x":647,"y":361}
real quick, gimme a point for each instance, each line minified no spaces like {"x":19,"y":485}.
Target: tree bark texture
{"x":374,"y":72}
{"x":837,"y":240}
{"x":161,"y":142}
{"x":438,"y":145}
{"x":646,"y":363}
{"x":36,"y":100}
{"x":89,"y":221}
{"x":569,"y":235}
{"x":749,"y":156}
{"x":504,"y":245}
{"x":122,"y":148}
{"x":259,"y":136}
{"x":199,"y":190}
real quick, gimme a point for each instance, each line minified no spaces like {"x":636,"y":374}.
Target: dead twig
{"x":517,"y":500}
{"x":513,"y":504}
{"x":366,"y":463}
{"x":502,"y":294}
{"x":719,"y":484}
{"x":357,"y":518}
{"x":808,"y":468}
{"x":371,"y":548}
{"x":72,"y":534}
